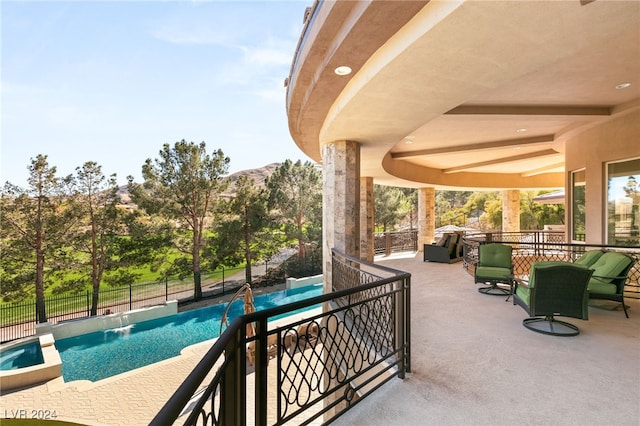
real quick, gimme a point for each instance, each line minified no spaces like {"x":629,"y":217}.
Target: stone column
{"x":367,"y":232}
{"x":340,"y":230}
{"x":340,"y":202}
{"x":511,"y":210}
{"x":426,"y":216}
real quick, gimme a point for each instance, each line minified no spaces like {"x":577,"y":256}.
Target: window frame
{"x":575,"y":236}
{"x":613,"y":238}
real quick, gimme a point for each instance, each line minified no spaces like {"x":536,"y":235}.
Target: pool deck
{"x":131,"y":398}
{"x":472,"y":363}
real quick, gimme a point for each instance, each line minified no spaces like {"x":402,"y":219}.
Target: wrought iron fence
{"x":539,"y":246}
{"x":395,"y":242}
{"x":18,"y":319}
{"x":303,"y":369}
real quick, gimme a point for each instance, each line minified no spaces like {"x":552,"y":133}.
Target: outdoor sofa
{"x":447,"y":249}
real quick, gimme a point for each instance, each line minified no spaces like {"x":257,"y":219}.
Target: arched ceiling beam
{"x":476,"y":146}
{"x":501,"y":160}
{"x":541,"y":170}
{"x":540,"y":110}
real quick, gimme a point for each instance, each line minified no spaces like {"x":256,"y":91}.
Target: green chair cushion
{"x":493,"y":272}
{"x":539,"y":265}
{"x":495,"y":255}
{"x":524,"y":293}
{"x":589,"y":257}
{"x":596,"y":286}
{"x":609,"y":266}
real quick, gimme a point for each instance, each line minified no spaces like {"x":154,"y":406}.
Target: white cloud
{"x":190,"y":36}
{"x":267,"y":56}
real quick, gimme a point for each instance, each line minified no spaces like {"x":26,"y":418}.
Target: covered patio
{"x":473,"y":363}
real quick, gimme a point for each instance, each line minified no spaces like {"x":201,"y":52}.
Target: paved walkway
{"x":130,"y":398}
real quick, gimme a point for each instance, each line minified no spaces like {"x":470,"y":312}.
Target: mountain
{"x":259,"y":175}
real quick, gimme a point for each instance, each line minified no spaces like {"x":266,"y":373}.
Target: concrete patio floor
{"x":473,"y":363}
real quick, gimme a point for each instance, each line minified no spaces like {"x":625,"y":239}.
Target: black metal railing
{"x":303,"y":370}
{"x":18,"y":319}
{"x":540,"y":246}
{"x":395,"y":242}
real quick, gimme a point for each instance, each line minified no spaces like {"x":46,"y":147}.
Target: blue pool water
{"x":103,"y":354}
{"x":21,"y":356}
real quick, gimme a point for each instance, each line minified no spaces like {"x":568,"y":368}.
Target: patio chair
{"x":447,"y":249}
{"x":610,"y":273}
{"x":589,"y":257}
{"x":272,"y":349}
{"x":554,"y":289}
{"x":494,"y":267}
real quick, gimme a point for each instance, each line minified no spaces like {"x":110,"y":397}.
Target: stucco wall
{"x":614,"y":140}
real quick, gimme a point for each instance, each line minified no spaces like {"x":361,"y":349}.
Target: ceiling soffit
{"x":465,"y":85}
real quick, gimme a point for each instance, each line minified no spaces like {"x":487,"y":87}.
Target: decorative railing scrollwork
{"x":307,"y":367}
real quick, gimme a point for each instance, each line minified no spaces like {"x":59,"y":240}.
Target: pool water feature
{"x":23,"y":355}
{"x":98,"y":355}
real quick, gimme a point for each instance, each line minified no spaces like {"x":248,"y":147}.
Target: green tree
{"x":411,"y":194}
{"x":244,"y":235}
{"x":35,"y":223}
{"x":493,"y":212}
{"x":147,"y":243}
{"x":295,"y":197}
{"x":529,"y":210}
{"x":551,"y":214}
{"x":450,"y":207}
{"x":184,"y":184}
{"x":95,"y":239}
{"x":475,"y":205}
{"x":391,"y":205}
{"x":487,"y":207}
{"x":534,"y":215}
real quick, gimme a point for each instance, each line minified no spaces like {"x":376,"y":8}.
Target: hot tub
{"x":29,"y":361}
{"x":20,"y":356}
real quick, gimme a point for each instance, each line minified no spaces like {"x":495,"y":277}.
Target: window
{"x":623,"y":203}
{"x":578,"y":192}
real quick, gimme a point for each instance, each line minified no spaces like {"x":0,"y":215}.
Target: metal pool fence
{"x":18,"y":319}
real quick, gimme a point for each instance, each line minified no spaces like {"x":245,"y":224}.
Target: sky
{"x":113,"y":81}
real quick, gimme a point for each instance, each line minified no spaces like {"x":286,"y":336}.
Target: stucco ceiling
{"x":456,"y":94}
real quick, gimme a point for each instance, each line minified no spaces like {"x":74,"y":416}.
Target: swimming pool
{"x":24,"y":355}
{"x":103,"y":354}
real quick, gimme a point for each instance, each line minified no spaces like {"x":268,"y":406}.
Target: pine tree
{"x":295,"y":195}
{"x":184,"y":184}
{"x":35,"y":223}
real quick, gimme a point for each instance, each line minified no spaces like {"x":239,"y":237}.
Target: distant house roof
{"x":556,"y":197}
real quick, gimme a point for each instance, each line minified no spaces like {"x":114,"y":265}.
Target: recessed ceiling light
{"x":343,"y":70}
{"x":521,"y":130}
{"x":623,"y":86}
